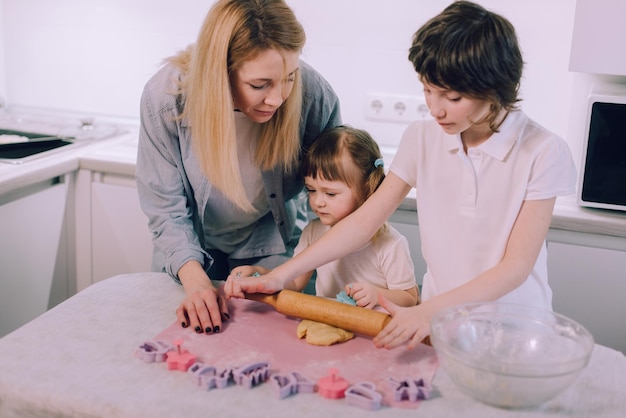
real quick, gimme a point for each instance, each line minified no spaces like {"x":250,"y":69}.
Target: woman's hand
{"x":365,"y":294}
{"x":408,"y":325}
{"x":203,"y":308}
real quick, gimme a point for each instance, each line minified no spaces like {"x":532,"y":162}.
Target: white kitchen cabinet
{"x":598,"y":35}
{"x":112,"y":231}
{"x":34,"y":253}
{"x":587,"y":273}
{"x":588,"y":286}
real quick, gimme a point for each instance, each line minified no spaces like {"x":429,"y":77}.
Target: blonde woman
{"x":224,"y":125}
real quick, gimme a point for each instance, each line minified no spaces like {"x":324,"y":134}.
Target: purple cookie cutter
{"x":305,"y":385}
{"x":364,"y":395}
{"x":153,"y":351}
{"x":410,"y":389}
{"x":284,"y":385}
{"x":251,"y":375}
{"x":208,"y":377}
{"x":290,"y":384}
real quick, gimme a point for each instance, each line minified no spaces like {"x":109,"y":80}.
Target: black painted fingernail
{"x":216,"y":329}
{"x":184,"y":324}
{"x":208,"y":330}
{"x":226,"y":315}
{"x":198,"y":329}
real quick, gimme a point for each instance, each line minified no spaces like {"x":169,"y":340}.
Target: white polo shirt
{"x":467,"y":203}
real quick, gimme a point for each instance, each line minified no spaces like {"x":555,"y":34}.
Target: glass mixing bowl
{"x":508,"y":355}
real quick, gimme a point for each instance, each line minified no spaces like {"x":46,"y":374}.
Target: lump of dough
{"x":318,"y":333}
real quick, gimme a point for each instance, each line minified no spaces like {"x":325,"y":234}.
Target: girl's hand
{"x":237,"y":286}
{"x":203,"y":308}
{"x":408,"y":325}
{"x":365,"y":294}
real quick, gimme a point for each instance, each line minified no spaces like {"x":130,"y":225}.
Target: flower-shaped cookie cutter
{"x":332,"y":386}
{"x":180,"y":359}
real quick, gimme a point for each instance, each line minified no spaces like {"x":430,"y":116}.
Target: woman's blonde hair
{"x":233,"y":32}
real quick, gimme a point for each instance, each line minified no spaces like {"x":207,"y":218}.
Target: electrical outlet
{"x":395,"y":108}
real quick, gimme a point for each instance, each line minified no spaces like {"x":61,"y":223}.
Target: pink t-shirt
{"x":385,"y":262}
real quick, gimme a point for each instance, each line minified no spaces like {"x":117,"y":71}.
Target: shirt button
{"x":273,"y":195}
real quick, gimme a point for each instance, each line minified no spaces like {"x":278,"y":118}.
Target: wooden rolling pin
{"x":300,"y":305}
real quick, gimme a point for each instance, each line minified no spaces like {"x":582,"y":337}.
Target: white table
{"x":76,"y":360}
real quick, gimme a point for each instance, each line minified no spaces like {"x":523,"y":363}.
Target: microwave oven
{"x":603,"y":168}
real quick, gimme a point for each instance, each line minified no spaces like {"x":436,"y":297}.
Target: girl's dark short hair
{"x":472,"y":51}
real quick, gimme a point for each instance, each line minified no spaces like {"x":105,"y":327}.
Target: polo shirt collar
{"x":500,"y":143}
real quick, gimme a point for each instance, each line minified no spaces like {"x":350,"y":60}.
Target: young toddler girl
{"x":341,"y":170}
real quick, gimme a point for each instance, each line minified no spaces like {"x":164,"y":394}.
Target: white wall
{"x":95,"y":56}
{"x":362,"y":46}
{"x":2,"y":65}
{"x":91,"y":56}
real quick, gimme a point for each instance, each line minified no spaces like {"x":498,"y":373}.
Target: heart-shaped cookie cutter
{"x":364,"y":395}
{"x":284,"y":385}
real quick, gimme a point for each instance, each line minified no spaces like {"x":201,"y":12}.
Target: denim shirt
{"x":173,"y":190}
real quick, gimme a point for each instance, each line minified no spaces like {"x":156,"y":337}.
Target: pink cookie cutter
{"x":153,"y":351}
{"x":290,"y":384}
{"x":208,"y":377}
{"x":332,"y":386}
{"x":410,"y":389}
{"x":251,"y":375}
{"x":180,"y":359}
{"x":364,"y":395}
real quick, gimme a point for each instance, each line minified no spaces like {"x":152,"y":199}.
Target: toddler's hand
{"x":365,"y":294}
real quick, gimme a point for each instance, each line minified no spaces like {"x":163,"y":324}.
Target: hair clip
{"x":379,"y":163}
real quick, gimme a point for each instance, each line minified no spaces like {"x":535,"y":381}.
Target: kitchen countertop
{"x":117,"y":155}
{"x":77,"y":360}
{"x":16,"y":176}
{"x":568,"y":215}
